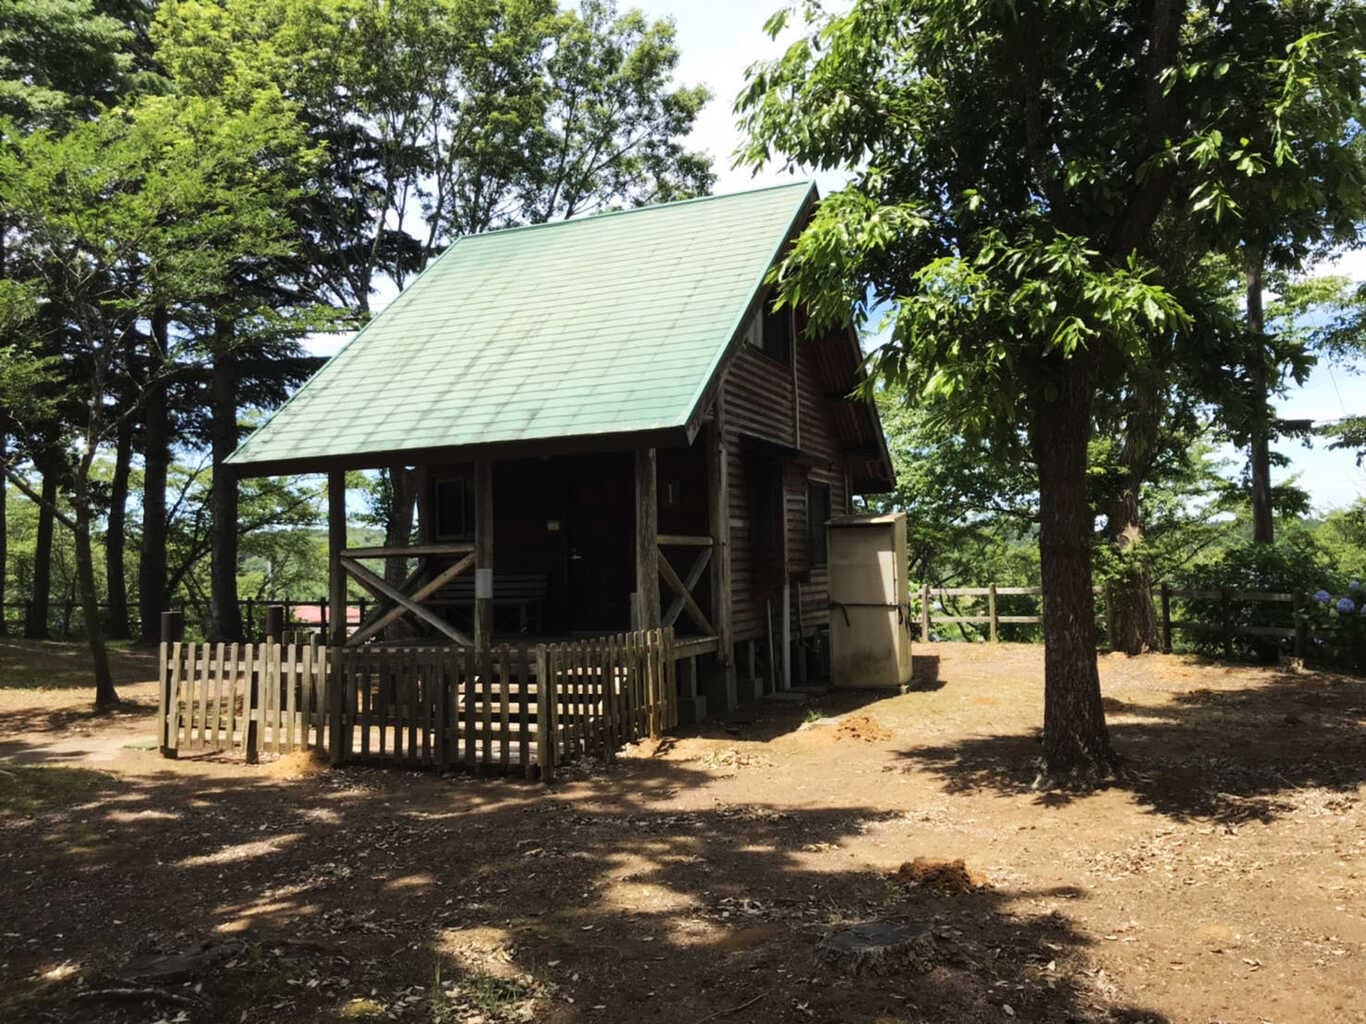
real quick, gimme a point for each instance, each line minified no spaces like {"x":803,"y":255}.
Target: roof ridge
{"x":804,"y":184}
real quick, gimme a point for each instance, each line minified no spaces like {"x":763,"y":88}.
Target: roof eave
{"x":579,"y":444}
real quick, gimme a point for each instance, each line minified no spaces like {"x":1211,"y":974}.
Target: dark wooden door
{"x":598,"y":531}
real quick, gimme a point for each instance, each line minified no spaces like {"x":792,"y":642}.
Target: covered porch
{"x":553,"y":547}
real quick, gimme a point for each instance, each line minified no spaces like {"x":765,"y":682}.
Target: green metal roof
{"x":604,"y":325}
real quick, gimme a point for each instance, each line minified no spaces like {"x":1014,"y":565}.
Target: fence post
{"x":322,"y":617}
{"x":545,"y":715}
{"x":991,"y":612}
{"x":336,"y":697}
{"x":275,"y":623}
{"x":1166,"y":618}
{"x":1301,"y":619}
{"x":925,"y":613}
{"x":1226,"y":615}
{"x":172,"y":631}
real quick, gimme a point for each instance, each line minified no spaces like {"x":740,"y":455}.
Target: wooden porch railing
{"x":682,"y":587}
{"x":395,"y":602}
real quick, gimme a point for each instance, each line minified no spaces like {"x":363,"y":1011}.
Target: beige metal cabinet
{"x":870,"y":619}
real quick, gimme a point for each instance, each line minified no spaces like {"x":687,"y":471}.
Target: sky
{"x":718,"y":39}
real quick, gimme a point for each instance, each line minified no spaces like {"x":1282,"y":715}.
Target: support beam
{"x":690,"y":581}
{"x":426,"y":505}
{"x":718,"y":514}
{"x":647,"y":540}
{"x":680,"y":540}
{"x":423,"y":592}
{"x":483,"y":554}
{"x":336,"y":543}
{"x":787,"y":635}
{"x":381,"y":589}
{"x":409,"y":551}
{"x":681,"y":590}
{"x":368,"y":618}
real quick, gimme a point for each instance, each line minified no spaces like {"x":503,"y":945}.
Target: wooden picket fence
{"x":250,"y":698}
{"x":520,"y":709}
{"x":611,"y":691}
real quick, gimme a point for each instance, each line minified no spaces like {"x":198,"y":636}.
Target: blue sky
{"x":718,"y":39}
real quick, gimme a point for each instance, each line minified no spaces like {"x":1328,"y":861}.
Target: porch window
{"x":817,"y":512}
{"x":454,"y":509}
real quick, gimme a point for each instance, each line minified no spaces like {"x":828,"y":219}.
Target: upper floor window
{"x":776,"y":331}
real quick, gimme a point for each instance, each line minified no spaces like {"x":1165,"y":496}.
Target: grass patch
{"x":362,"y":1008}
{"x":30,"y":788}
{"x":491,"y":996}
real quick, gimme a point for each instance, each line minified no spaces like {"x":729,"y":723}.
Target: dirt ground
{"x":702,"y":880}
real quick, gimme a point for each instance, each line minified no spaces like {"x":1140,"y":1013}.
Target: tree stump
{"x":879,"y":947}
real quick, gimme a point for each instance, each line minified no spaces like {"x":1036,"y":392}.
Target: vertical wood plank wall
{"x":757,"y":392}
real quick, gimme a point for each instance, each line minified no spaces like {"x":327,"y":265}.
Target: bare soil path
{"x":696,"y":881}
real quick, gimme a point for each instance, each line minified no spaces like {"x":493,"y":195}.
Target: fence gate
{"x":243,"y":697}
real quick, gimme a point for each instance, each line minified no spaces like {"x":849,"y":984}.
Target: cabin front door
{"x":598,"y":527}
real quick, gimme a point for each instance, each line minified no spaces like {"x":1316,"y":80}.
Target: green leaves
{"x":60,"y":60}
{"x":440,"y":118}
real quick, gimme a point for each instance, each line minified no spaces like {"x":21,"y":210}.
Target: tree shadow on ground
{"x":61,"y":720}
{"x":66,"y":665}
{"x":630,"y":894}
{"x":1228,"y":756}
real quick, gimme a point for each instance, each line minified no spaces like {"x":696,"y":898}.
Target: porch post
{"x":425,"y":499}
{"x":336,"y":544}
{"x":337,"y":745}
{"x":483,"y":554}
{"x":718,"y":494}
{"x":647,"y":540}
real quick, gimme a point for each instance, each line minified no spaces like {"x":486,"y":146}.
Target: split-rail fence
{"x":1220,"y":615}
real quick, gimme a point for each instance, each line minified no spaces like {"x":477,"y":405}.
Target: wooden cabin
{"x":611,"y":429}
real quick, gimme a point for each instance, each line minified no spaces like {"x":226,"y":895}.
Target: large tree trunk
{"x":116,"y":582}
{"x":224,"y":612}
{"x":152,"y":596}
{"x":35,"y":626}
{"x":105,"y":694}
{"x":399,"y":529}
{"x":1076,"y":743}
{"x":1263,"y":524}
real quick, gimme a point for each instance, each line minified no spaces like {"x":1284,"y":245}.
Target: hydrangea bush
{"x":1340,"y":618}
{"x":1336,"y":608}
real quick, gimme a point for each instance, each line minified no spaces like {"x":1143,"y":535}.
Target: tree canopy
{"x":1011,"y":168}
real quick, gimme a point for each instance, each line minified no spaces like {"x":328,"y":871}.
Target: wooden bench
{"x":525,"y":591}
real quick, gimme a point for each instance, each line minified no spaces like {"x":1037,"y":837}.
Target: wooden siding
{"x":761,"y":398}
